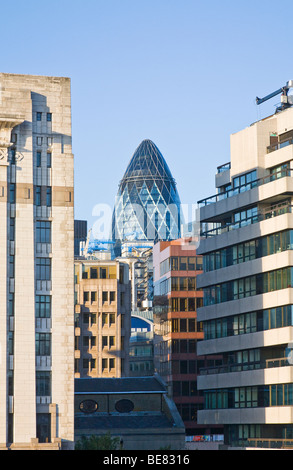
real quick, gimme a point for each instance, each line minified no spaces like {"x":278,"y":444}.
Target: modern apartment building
{"x":36,"y":274}
{"x":177,"y":332}
{"x":248,"y":287}
{"x":102,"y":318}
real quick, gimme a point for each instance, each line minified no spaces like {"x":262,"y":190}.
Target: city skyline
{"x":151,"y":70}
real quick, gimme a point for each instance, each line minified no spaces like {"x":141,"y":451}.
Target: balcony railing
{"x":276,"y":211}
{"x":264,"y":443}
{"x":227,"y":368}
{"x":224,"y":167}
{"x":279,"y":145}
{"x":241,"y":189}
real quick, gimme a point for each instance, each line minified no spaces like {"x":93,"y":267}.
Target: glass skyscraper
{"x":147,"y":206}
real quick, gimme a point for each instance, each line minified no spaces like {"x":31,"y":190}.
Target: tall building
{"x":80,"y":235}
{"x":36,"y":275}
{"x":102,"y":318}
{"x":147,"y":206}
{"x":248,"y":287}
{"x":140,"y":261}
{"x":176,"y":329}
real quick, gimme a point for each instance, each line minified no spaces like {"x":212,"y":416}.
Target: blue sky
{"x":183,"y":73}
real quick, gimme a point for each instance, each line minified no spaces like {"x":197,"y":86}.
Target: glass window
{"x":43,"y":383}
{"x":43,"y":232}
{"x":39,"y":159}
{"x":43,"y":306}
{"x":49,"y":197}
{"x":183,"y":263}
{"x":191,"y":263}
{"x":43,"y":269}
{"x":43,"y":344}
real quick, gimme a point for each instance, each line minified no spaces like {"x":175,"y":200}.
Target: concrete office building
{"x":102,"y":318}
{"x":36,"y":275}
{"x":248,"y":287}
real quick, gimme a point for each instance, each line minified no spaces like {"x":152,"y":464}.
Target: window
{"x":11,"y":229}
{"x":39,"y":159}
{"x":49,"y":117}
{"x":104,"y":364}
{"x":43,"y":306}
{"x":43,"y":344}
{"x":49,"y":197}
{"x":38,"y":195}
{"x":94,"y":273}
{"x":174,"y":263}
{"x":104,"y":319}
{"x":103,"y":273}
{"x":39,"y":116}
{"x":112,"y":296}
{"x":49,"y":160}
{"x":86,"y":296}
{"x":183,"y":263}
{"x":112,"y":364}
{"x":105,"y":296}
{"x":111,"y":341}
{"x":245,"y":181}
{"x":93,"y":296}
{"x":12,"y":193}
{"x":43,"y":271}
{"x":104,"y":341}
{"x":43,"y":383}
{"x":43,"y":232}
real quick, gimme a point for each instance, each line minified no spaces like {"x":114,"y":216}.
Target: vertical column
{"x":24,"y":319}
{"x":3,"y":297}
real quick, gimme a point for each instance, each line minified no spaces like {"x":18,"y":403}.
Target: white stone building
{"x":37,"y":264}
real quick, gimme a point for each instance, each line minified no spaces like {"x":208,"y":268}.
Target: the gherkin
{"x":147,"y":205}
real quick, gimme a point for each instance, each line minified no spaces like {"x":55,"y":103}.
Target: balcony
{"x":279,"y":145}
{"x":227,"y":368}
{"x":277,"y":210}
{"x":243,"y":188}
{"x":224,"y":167}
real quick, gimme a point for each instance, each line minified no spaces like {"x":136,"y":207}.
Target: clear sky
{"x":183,"y":73}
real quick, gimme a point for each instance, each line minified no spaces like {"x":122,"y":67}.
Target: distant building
{"x":137,"y":411}
{"x":139,"y":257}
{"x":36,"y":251}
{"x":80,"y":235}
{"x":147,"y":206}
{"x":176,"y":329}
{"x":102,"y":318}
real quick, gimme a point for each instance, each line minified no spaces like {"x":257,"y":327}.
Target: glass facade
{"x":147,"y":205}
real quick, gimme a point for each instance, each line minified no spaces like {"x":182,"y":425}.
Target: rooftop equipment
{"x":286,"y":101}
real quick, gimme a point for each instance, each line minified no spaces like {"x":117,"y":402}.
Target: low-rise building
{"x":136,"y":410}
{"x":102,"y":318}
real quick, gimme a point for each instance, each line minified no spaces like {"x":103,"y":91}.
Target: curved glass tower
{"x":147,"y":204}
